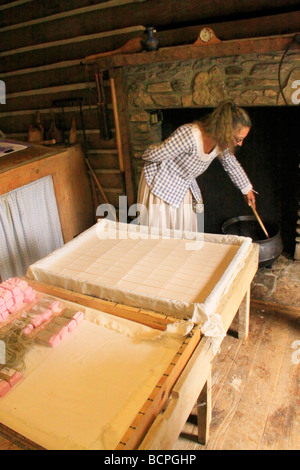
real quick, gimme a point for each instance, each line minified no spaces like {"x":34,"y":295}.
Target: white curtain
{"x":29,"y":227}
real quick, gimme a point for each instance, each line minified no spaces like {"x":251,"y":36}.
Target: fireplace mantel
{"x":262,"y":45}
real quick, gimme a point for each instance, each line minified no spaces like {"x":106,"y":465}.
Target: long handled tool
{"x":103,"y":119}
{"x":100,"y":188}
{"x":260,"y":221}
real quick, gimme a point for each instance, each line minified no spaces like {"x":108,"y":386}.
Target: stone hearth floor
{"x":279,"y":284}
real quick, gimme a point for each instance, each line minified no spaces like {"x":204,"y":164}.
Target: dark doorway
{"x":270,"y":157}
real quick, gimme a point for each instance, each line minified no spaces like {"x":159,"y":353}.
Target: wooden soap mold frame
{"x":193,"y":384}
{"x":159,"y":396}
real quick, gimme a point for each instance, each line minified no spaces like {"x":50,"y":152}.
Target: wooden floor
{"x":255,"y":395}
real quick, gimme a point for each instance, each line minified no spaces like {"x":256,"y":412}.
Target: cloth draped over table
{"x":29,"y":226}
{"x":59,"y":268}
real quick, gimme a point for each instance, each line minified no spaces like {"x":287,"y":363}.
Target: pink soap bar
{"x":75,"y":314}
{"x":15,"y":290}
{"x":48,"y":338}
{"x":4,"y":316}
{"x":11,"y":376}
{"x":37,"y":320}
{"x":29,"y":295}
{"x":12,"y":309}
{"x":4,"y":388}
{"x":3,"y":308}
{"x":6,"y":295}
{"x":39,"y":315}
{"x":55,"y":305}
{"x":47,"y":314}
{"x":28,"y":329}
{"x":58,"y":320}
{"x":29,"y":299}
{"x":68,"y":322}
{"x":18,"y":282}
{"x":79,"y":317}
{"x":10,"y":303}
{"x":19,"y":298}
{"x":60,"y":330}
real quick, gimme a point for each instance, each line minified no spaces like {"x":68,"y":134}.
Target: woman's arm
{"x":237,"y":174}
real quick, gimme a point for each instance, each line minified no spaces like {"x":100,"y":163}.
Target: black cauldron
{"x":247,"y":226}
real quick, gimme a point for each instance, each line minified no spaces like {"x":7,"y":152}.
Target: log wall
{"x":43,"y":45}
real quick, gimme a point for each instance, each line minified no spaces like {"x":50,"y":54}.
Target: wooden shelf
{"x":226,"y":48}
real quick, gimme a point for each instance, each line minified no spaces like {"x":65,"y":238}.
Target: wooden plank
{"x":45,"y":12}
{"x":279,"y":308}
{"x":124,"y":15}
{"x":65,"y":50}
{"x":18,"y":122}
{"x":233,"y":298}
{"x":37,"y":69}
{"x":6,"y":5}
{"x":124,"y":147}
{"x":35,"y":79}
{"x":226,"y":30}
{"x":44,"y":100}
{"x":244,"y":317}
{"x":234,"y":370}
{"x":159,"y":396}
{"x":72,"y":40}
{"x":226,"y":48}
{"x":11,"y":440}
{"x":122,"y":311}
{"x":105,"y":159}
{"x":243,"y":405}
{"x":284,"y":410}
{"x":156,"y":438}
{"x":204,"y":412}
{"x":168,"y":424}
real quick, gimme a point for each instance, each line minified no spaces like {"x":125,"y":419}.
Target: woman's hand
{"x":250,"y":199}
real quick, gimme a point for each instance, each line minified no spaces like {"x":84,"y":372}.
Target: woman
{"x":168,"y":192}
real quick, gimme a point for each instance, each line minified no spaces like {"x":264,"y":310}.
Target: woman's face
{"x":239,"y":134}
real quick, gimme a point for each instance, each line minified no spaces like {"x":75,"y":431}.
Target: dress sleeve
{"x":181,"y":141}
{"x":235,"y":171}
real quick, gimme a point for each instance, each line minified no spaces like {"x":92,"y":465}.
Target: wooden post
{"x":244,"y":317}
{"x":204,"y":412}
{"x":120,"y":108}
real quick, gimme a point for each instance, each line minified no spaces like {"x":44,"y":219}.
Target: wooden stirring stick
{"x":260,"y":221}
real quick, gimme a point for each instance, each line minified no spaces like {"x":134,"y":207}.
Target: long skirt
{"x":154,"y":212}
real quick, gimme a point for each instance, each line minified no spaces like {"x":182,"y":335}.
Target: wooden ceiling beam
{"x":93,"y":19}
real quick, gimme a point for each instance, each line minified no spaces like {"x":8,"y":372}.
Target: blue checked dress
{"x":170,"y":172}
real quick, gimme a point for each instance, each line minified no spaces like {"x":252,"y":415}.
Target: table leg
{"x":204,"y":412}
{"x":244,"y":317}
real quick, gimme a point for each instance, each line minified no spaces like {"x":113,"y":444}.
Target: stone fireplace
{"x":183,"y":90}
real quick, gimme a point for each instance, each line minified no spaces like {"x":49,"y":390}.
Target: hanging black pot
{"x":247,"y":226}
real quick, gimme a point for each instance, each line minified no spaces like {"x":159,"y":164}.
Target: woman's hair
{"x":223,"y":121}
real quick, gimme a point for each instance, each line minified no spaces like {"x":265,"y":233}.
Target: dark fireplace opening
{"x":270,"y":157}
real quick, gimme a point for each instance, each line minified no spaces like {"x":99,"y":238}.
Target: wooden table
{"x":159,"y":424}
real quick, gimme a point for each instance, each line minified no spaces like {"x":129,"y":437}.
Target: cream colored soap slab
{"x":161,"y":273}
{"x":85,"y":393}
